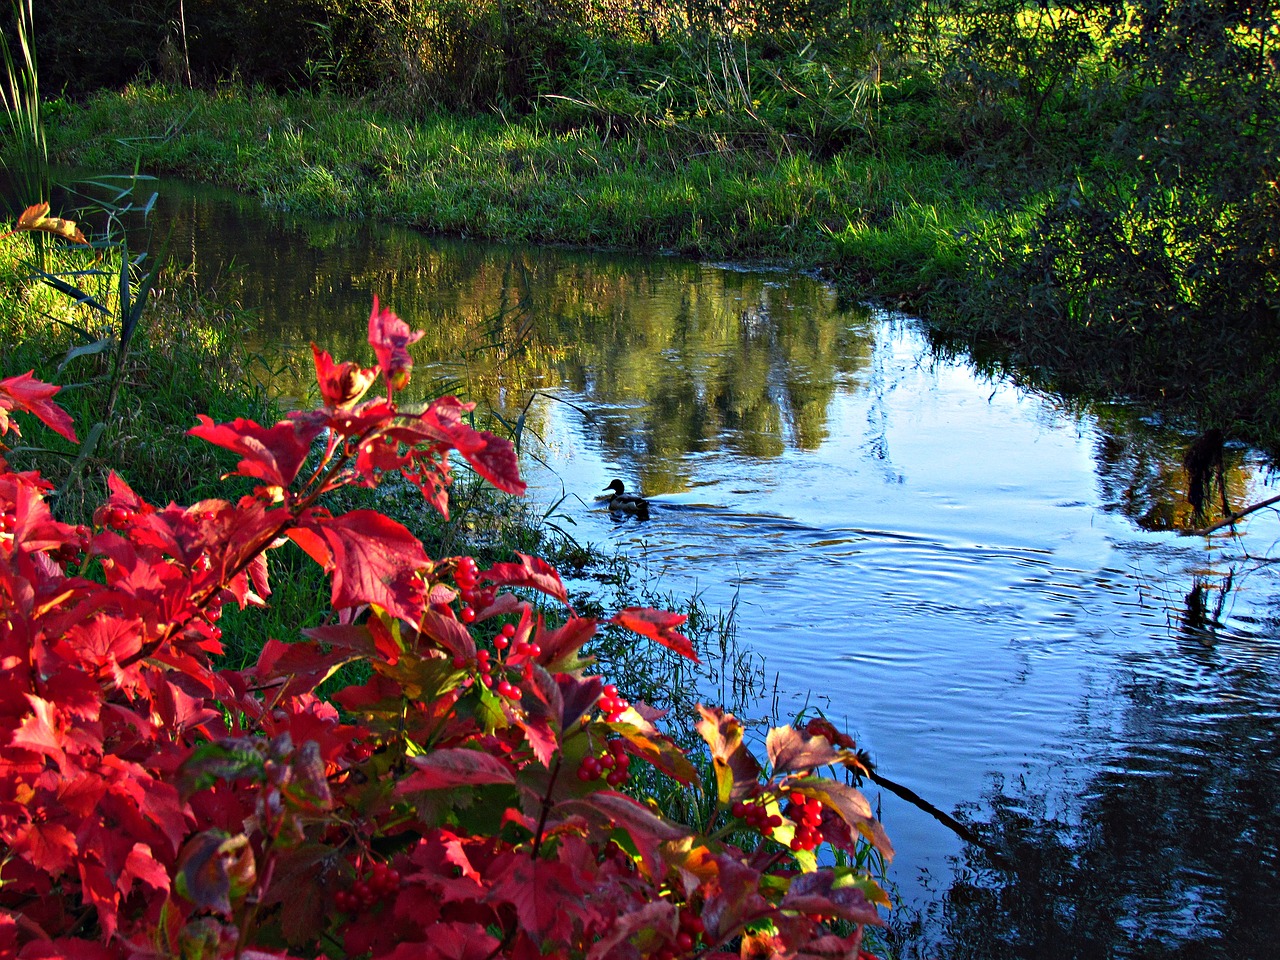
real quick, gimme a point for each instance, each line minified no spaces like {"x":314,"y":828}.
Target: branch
{"x":1230,"y":518}
{"x":961,"y":830}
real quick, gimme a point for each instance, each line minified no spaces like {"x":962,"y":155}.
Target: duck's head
{"x":617,"y":486}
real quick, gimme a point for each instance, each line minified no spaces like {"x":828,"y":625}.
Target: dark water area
{"x":984,"y":583}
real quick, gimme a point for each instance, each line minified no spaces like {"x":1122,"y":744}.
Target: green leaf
{"x":73,"y":292}
{"x":87,"y":350}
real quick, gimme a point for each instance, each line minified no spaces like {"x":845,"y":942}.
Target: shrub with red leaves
{"x":460,"y":803}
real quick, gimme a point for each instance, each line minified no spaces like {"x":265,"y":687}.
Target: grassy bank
{"x":482,"y":177}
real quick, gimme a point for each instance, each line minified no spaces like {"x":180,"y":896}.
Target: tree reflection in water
{"x":1171,"y":850}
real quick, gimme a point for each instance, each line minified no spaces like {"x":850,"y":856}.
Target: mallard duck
{"x":620,"y":502}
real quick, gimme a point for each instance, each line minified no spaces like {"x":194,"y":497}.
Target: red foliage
{"x":460,"y":805}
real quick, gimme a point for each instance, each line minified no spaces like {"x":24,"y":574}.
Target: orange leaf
{"x":36,"y":218}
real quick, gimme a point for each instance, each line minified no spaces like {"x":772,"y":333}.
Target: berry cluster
{"x":505,"y":688}
{"x":485,"y":661}
{"x":467,"y":574}
{"x":113,"y":516}
{"x":807,"y":814}
{"x":381,"y":883}
{"x":612,"y":705}
{"x":756,"y":815}
{"x":691,"y":928}
{"x":611,"y":765}
{"x":467,"y":577}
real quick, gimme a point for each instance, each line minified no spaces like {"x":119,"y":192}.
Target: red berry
{"x":509,"y":630}
{"x":467,"y":615}
{"x":363,"y":894}
{"x":500,"y":642}
{"x":692,"y":922}
{"x":684,"y":942}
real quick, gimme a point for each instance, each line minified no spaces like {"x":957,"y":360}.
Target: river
{"x":981,"y":581}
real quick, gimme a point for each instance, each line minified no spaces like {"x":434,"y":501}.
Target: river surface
{"x":982,"y":582}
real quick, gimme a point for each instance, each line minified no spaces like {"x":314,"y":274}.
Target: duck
{"x":622,"y":503}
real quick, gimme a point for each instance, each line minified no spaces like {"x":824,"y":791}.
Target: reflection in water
{"x":982,"y":585}
{"x":678,"y":357}
{"x":1171,"y":847}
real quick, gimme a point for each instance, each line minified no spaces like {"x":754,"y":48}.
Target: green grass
{"x":658,"y":190}
{"x":185,"y":359}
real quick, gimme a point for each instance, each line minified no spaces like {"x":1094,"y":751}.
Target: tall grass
{"x":25,"y":154}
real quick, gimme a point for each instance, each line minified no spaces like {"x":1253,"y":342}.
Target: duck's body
{"x":622,"y":503}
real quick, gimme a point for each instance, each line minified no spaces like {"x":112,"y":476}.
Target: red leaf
{"x":529,"y":572}
{"x":341,"y":384}
{"x":661,"y":917}
{"x":141,"y":865}
{"x":49,"y":846}
{"x":304,"y":665}
{"x":560,"y":646}
{"x":376,"y":560}
{"x":390,"y":338}
{"x":355,"y":639}
{"x":577,"y":697}
{"x":822,"y":892}
{"x":547,"y":895}
{"x":540,"y":736}
{"x":658,"y":750}
{"x":449,"y":633}
{"x":737,"y":771}
{"x":793,"y":752}
{"x":449,"y":941}
{"x":732,"y":898}
{"x":273,"y":455}
{"x":647,"y":830}
{"x":67,"y":948}
{"x":457,"y":767}
{"x":658,"y":625}
{"x":493,"y":457}
{"x":43,"y":731}
{"x":26,"y":393}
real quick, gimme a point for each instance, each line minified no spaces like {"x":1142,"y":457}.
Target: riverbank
{"x":911,"y":229}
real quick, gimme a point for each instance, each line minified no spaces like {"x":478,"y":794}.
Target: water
{"x":978,"y":580}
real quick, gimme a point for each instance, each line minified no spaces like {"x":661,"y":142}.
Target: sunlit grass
{"x":480,"y":177}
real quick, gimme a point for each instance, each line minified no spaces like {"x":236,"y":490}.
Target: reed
{"x":25,"y":154}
